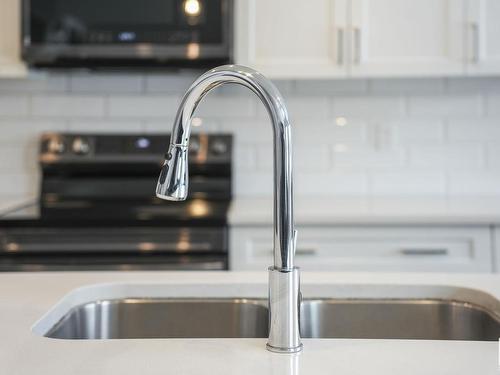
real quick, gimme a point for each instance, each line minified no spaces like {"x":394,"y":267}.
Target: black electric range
{"x":97,"y":208}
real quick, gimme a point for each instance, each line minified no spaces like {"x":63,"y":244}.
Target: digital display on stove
{"x":142,"y":143}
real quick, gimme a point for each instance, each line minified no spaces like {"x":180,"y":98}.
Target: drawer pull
{"x":302,"y":252}
{"x":474,"y":36}
{"x":305,"y":252}
{"x":340,"y":46}
{"x":424,"y":252}
{"x":357,"y":45}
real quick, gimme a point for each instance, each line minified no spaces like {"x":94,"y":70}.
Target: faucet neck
{"x":284,"y":230}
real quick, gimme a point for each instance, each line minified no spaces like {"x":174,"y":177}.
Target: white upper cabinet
{"x":483,"y":37}
{"x":10,"y":40}
{"x":407,"y":37}
{"x":368,"y":38}
{"x":292,"y":38}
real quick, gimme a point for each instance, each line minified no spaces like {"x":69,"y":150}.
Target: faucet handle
{"x":294,"y":240}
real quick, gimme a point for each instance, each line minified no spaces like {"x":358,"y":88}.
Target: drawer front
{"x":446,"y":249}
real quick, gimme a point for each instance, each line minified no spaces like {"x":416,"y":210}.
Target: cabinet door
{"x":407,"y":37}
{"x":292,"y":38}
{"x":483,"y":41}
{"x":10,"y":60}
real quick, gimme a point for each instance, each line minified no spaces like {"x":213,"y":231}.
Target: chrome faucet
{"x":284,"y":282}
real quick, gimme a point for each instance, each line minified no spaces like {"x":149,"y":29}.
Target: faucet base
{"x":273,"y":349}
{"x":284,"y":305}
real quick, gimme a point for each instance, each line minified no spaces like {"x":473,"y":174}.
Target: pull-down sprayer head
{"x":173,"y":182}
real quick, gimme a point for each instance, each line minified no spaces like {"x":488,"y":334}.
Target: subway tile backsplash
{"x":434,"y":137}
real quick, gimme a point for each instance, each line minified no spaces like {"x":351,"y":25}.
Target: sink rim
{"x":263,"y":302}
{"x":323,"y":291}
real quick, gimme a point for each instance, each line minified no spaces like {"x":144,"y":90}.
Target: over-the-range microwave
{"x":126,"y":33}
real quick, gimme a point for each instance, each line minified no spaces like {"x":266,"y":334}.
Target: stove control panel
{"x":74,"y":147}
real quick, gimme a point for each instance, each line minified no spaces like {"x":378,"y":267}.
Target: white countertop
{"x":25,"y":297}
{"x":342,"y":211}
{"x":18,"y":207}
{"x":375,"y":210}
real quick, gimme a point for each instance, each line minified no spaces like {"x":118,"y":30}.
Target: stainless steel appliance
{"x":126,"y":33}
{"x":97,"y":209}
{"x":409,"y":319}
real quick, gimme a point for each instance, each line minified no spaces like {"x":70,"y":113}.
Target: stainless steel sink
{"x":320,"y":318}
{"x":398,"y":319}
{"x":164,"y":318}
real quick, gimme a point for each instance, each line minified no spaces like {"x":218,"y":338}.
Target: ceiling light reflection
{"x":192,"y":7}
{"x":183,"y":245}
{"x":193,"y":51}
{"x":12,"y":247}
{"x":196,"y":121}
{"x":340,"y":147}
{"x":198,"y":208}
{"x":146,"y":246}
{"x":341,"y":121}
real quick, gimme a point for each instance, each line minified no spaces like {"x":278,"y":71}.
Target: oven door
{"x":117,"y":262}
{"x":132,"y":248}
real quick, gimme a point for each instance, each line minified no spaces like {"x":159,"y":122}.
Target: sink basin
{"x":164,"y":318}
{"x":431,"y":319}
{"x":398,"y":319}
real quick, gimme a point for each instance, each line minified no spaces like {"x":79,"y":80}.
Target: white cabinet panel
{"x":10,"y":60}
{"x":368,"y":38}
{"x":483,"y":37}
{"x":292,"y":38}
{"x":367,"y":248}
{"x":407,"y":37}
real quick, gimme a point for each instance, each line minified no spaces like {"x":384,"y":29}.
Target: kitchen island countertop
{"x":26,"y":297}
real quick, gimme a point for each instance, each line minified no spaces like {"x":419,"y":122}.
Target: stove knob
{"x":218,"y":147}
{"x":80,"y":146}
{"x":56,"y":145}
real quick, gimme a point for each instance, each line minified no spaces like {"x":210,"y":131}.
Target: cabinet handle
{"x":340,"y":46}
{"x":356,"y":59}
{"x":474,"y":35}
{"x":305,"y":252}
{"x":434,"y":252}
{"x":302,"y":252}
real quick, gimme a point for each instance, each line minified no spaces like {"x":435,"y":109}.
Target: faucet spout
{"x":284,"y":294}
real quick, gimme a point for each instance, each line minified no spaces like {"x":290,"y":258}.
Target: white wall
{"x":423,"y":136}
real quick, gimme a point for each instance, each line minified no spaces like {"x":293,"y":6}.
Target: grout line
{"x":484,"y":105}
{"x":144,"y":84}
{"x":446,"y":131}
{"x":406,"y":105}
{"x":106,"y":104}
{"x":447,"y":183}
{"x":486,"y":155}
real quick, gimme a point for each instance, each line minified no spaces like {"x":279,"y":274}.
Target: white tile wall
{"x":13,"y":105}
{"x":369,"y":106}
{"x":456,"y":105}
{"x":67,"y":106}
{"x":407,"y":86}
{"x":351,"y":137}
{"x":110,"y":83}
{"x":142,"y":106}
